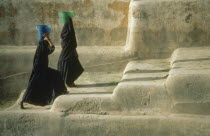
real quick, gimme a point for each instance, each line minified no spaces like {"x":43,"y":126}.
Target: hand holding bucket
{"x":65,"y":15}
{"x":42,"y":29}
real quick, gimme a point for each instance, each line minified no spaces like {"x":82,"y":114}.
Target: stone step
{"x":188,"y":81}
{"x":43,"y":122}
{"x":142,"y":87}
{"x":83,"y":103}
{"x":140,"y":90}
{"x":96,"y":82}
{"x":157,"y":86}
{"x":148,"y":66}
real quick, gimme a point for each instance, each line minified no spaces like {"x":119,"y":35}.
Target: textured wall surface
{"x":98,"y":23}
{"x":157,"y":27}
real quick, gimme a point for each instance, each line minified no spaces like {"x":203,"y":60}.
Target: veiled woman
{"x":68,"y":64}
{"x":45,"y":83}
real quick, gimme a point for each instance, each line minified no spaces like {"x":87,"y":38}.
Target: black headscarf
{"x":68,"y":43}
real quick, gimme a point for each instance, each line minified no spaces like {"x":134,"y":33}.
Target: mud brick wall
{"x":97,"y":23}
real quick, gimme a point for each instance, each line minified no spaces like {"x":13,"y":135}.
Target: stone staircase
{"x":158,"y":97}
{"x":150,"y":86}
{"x":141,"y":90}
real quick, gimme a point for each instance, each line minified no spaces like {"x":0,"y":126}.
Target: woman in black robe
{"x":45,"y":83}
{"x":68,"y":64}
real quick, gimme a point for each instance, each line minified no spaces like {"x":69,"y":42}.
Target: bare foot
{"x":21,"y":105}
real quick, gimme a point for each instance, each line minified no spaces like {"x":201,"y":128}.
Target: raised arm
{"x":51,"y":47}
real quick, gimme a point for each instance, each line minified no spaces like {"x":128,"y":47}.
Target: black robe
{"x":68,"y":64}
{"x":45,"y":83}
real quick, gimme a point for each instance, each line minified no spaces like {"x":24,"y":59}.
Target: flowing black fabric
{"x":69,"y":65}
{"x":45,"y":83}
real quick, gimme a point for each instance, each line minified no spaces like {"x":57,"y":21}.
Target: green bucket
{"x":65,"y":15}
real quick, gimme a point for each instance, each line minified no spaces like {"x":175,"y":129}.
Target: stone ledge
{"x":146,"y":86}
{"x":136,"y":92}
{"x":83,"y":103}
{"x":13,"y":58}
{"x":188,"y":81}
{"x":190,"y":55}
{"x":42,"y":123}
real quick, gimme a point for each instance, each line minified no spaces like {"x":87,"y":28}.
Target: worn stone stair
{"x":179,"y":84}
{"x":155,"y":98}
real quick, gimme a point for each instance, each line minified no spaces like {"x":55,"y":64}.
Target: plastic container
{"x":41,"y":29}
{"x":65,"y":15}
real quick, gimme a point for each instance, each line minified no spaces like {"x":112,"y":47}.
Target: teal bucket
{"x":65,"y":15}
{"x":41,"y":29}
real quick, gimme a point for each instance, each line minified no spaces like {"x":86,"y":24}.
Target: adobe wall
{"x":97,"y":23}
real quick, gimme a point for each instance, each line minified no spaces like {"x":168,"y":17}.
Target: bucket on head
{"x":65,"y":15}
{"x":41,"y":29}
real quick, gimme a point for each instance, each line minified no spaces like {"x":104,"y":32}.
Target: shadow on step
{"x":201,"y":59}
{"x":147,"y":71}
{"x":97,"y":85}
{"x":144,"y":79}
